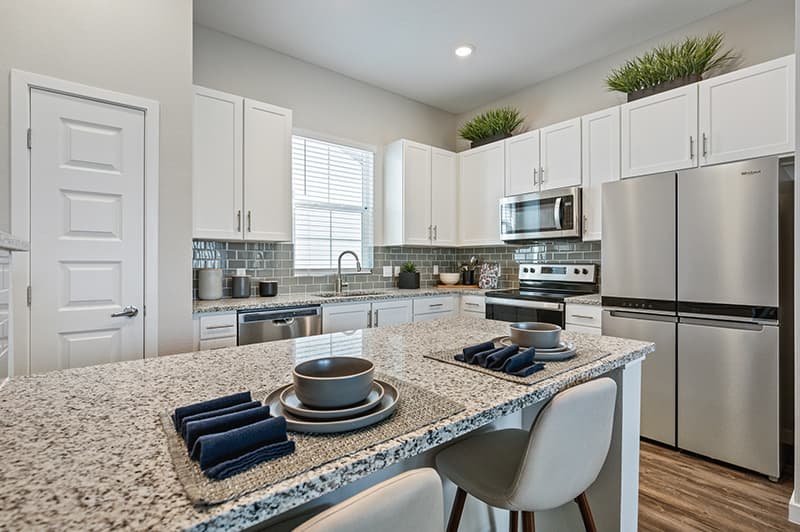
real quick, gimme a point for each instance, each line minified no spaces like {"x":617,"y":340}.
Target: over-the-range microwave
{"x":541,"y":215}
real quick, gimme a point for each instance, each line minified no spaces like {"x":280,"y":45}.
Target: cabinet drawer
{"x":476,"y":304}
{"x":217,"y":343}
{"x":433,"y":316}
{"x":588,"y":315}
{"x":570,"y":327}
{"x":218,"y":326}
{"x":425,"y":305}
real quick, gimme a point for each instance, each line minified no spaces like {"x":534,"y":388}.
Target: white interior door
{"x":87,"y":224}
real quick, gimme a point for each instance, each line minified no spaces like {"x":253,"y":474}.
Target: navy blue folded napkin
{"x":214,"y":425}
{"x":207,"y":406}
{"x":527,"y":371}
{"x":215,"y":413}
{"x":246,"y":461}
{"x":518,"y":361}
{"x":234,"y":447}
{"x":497,"y":360}
{"x":468,"y":353}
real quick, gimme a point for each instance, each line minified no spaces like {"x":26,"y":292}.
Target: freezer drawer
{"x":728,"y":393}
{"x":658,"y":369}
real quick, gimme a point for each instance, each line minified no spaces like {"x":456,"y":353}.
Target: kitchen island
{"x":84,"y":449}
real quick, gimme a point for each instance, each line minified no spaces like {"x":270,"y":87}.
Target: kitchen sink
{"x":354,"y":293}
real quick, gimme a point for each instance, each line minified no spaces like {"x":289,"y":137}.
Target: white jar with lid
{"x":209,"y":283}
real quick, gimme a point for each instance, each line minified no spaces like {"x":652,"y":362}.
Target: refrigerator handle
{"x":738,"y":325}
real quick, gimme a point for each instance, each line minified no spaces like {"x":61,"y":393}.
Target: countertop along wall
{"x":759,"y":30}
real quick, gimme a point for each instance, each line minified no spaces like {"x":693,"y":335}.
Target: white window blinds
{"x":332,"y":197}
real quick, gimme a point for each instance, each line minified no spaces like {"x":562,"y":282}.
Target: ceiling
{"x":406,"y":46}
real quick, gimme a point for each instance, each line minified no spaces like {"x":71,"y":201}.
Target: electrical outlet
{"x":387,"y":271}
{"x":396,"y":271}
{"x":435,"y":269}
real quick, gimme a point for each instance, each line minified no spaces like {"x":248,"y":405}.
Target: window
{"x":332,"y":200}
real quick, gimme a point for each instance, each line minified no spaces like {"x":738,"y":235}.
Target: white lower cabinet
{"x":353,"y":316}
{"x":473,"y":305}
{"x":392,"y":312}
{"x":214,"y":330}
{"x":433,"y":308}
{"x":346,"y":317}
{"x":586,"y":319}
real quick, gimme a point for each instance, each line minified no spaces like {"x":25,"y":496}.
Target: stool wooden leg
{"x":586,"y":512}
{"x":458,"y":508}
{"x":528,"y":524}
{"x":513,"y":521}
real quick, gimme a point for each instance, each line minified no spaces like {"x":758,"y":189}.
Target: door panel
{"x":444,"y":184}
{"x":728,"y":394}
{"x":638,"y":259}
{"x":600,"y":161}
{"x":416,"y":193}
{"x":728,"y":217}
{"x":522,"y":163}
{"x":480,"y":187}
{"x":87,"y":208}
{"x":391,"y":313}
{"x":561,"y":155}
{"x":659,"y":133}
{"x":339,"y":318}
{"x":658,"y":369}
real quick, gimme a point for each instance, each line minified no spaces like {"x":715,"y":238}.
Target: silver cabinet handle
{"x":584,"y":317}
{"x":535,"y":171}
{"x":691,"y":147}
{"x":430,"y":229}
{"x":585,"y":223}
{"x":705,"y":145}
{"x":249,"y":222}
{"x":128,"y":312}
{"x":369,"y":319}
{"x":436,"y":232}
{"x":541,"y":175}
{"x":376,"y":318}
{"x":213,"y":327}
{"x":471,"y":304}
{"x":239,"y":220}
{"x":436,"y":305}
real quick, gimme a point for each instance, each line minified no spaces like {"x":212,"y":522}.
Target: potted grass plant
{"x":669,"y":66}
{"x":492,"y":125}
{"x":408,"y":277}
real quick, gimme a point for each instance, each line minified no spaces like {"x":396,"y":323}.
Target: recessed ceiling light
{"x":465,"y":50}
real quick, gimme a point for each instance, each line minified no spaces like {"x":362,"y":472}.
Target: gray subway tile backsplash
{"x":273,"y":261}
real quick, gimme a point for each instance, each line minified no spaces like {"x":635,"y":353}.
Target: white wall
{"x":758,"y":30}
{"x":139,"y":47}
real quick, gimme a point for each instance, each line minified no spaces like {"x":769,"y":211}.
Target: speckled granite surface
{"x":11,"y":243}
{"x":289,"y":300}
{"x":589,"y":299}
{"x":82,"y":448}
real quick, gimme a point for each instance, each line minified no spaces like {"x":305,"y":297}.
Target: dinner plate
{"x":384,"y":409}
{"x":564,"y":351}
{"x":290,"y":402}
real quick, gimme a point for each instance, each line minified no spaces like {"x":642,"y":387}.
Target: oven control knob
{"x":576,"y":271}
{"x":533,"y":270}
{"x":585,"y":271}
{"x":525,"y":270}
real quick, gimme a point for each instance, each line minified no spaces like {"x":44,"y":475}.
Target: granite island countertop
{"x":9,"y":242}
{"x":586,"y":299}
{"x":291,"y":300}
{"x":83,"y":448}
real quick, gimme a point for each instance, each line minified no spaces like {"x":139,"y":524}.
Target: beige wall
{"x":758,"y":30}
{"x":138,"y":47}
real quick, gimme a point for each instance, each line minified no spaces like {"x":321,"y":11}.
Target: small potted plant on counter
{"x":409,"y":276}
{"x":670,"y":66}
{"x":493,"y":125}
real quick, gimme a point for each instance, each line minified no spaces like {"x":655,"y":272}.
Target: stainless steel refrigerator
{"x":691,"y":260}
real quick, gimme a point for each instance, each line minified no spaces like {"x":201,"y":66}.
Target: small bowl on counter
{"x":333,"y":382}
{"x":449,"y":278}
{"x":535,"y":334}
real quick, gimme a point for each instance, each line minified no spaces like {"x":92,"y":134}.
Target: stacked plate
{"x":562,"y":351}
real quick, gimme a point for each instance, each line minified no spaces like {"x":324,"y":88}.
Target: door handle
{"x":282,"y":322}
{"x":430,"y":234}
{"x":585,"y":223}
{"x":239,"y":220}
{"x":128,"y":312}
{"x":249,"y":222}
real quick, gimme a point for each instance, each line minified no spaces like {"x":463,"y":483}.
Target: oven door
{"x":517,"y":310}
{"x":553,"y":214}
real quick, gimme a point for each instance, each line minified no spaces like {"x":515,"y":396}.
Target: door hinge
{"x":29,"y":295}
{"x":29,"y":138}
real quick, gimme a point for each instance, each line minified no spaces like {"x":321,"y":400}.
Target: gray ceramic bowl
{"x":535,"y":334}
{"x":333,"y":382}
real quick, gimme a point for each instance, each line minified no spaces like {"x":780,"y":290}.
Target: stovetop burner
{"x":551,"y":282}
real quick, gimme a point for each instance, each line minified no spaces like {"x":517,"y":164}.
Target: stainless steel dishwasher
{"x":256,"y":326}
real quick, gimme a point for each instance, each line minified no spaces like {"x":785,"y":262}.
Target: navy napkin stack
{"x":231,"y":434}
{"x":507,"y":359}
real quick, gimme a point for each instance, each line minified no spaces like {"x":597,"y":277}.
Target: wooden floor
{"x":679,"y":491}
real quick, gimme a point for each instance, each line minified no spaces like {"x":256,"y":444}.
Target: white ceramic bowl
{"x":449,"y":278}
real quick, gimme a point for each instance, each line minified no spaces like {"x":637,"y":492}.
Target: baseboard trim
{"x":794,"y":508}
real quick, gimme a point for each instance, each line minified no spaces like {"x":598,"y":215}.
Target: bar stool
{"x":550,"y":466}
{"x":410,"y":501}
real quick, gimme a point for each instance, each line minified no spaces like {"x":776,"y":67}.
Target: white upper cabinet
{"x":444,"y":184}
{"x":601,"y":164}
{"x":217,"y":165}
{"x":522,"y":163}
{"x":561,"y":155}
{"x":419,"y":194}
{"x":748,"y":113}
{"x":267,"y":172}
{"x":480,"y":188}
{"x":659,"y":133}
{"x":241,"y":170}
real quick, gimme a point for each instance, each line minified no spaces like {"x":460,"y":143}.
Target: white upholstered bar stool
{"x":545,"y":468}
{"x":409,"y":501}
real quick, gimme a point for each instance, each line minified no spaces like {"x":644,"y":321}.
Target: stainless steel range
{"x":541,"y":293}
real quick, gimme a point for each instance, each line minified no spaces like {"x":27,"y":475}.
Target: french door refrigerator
{"x":711,"y":238}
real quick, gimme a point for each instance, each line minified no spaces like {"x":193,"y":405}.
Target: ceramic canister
{"x":209,"y":283}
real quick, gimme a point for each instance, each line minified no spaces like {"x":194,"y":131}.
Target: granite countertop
{"x":290,"y":300}
{"x":587,"y":299}
{"x":9,"y":242}
{"x":83,"y":448}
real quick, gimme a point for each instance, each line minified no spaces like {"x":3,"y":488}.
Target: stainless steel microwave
{"x":543,"y":215}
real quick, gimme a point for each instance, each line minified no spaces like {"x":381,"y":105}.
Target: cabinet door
{"x":338,"y":318}
{"x":392,"y":312}
{"x":416,"y":193}
{"x":267,"y":172}
{"x":522,"y":164}
{"x":561,"y":155}
{"x":444,"y":184}
{"x":480,"y":188}
{"x":600,"y":160}
{"x":659,"y":133}
{"x":748,"y":113}
{"x":216,"y":165}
